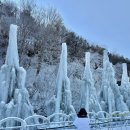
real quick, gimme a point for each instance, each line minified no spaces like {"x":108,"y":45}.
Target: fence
{"x":98,"y":121}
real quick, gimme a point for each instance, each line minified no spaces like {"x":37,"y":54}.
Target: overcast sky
{"x":104,"y":22}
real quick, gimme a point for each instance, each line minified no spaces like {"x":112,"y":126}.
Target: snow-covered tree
{"x":111,"y":95}
{"x":14,"y":97}
{"x":89,"y":99}
{"x":61,"y":102}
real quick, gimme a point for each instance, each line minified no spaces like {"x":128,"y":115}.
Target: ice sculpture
{"x":111,"y":95}
{"x":61,"y":102}
{"x":125,"y":85}
{"x":14,"y":97}
{"x":89,"y":98}
{"x":125,"y":78}
{"x":12,"y":58}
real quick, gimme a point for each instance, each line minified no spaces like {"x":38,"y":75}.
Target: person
{"x":82,"y":121}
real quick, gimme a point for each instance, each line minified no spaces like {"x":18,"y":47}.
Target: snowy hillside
{"x":42,"y":86}
{"x":39,"y":47}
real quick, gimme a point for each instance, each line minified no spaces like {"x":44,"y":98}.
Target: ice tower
{"x":112,"y":98}
{"x":61,"y":102}
{"x":125,"y":85}
{"x":14,"y":97}
{"x":89,"y":98}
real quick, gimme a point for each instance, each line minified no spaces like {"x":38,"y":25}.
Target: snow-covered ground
{"x":117,"y":128}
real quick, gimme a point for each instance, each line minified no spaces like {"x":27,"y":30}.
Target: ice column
{"x":14,"y":97}
{"x":125,"y":78}
{"x":109,"y":85}
{"x":12,"y":58}
{"x":62,"y":101}
{"x":89,"y":98}
{"x":125,"y":85}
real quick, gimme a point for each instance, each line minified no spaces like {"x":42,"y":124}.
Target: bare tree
{"x":51,"y":31}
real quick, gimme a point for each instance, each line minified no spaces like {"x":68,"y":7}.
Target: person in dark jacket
{"x":82,"y":121}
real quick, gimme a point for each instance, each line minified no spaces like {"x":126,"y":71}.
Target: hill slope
{"x":39,"y":45}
